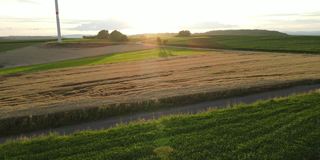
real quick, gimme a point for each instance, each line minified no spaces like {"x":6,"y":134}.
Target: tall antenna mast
{"x":58,"y":22}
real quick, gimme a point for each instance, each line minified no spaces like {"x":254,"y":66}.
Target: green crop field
{"x":113,"y":58}
{"x":294,"y":44}
{"x":286,"y":128}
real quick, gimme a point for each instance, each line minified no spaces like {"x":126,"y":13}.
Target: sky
{"x":37,"y":17}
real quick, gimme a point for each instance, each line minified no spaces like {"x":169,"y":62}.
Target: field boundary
{"x":82,"y":44}
{"x":16,"y":125}
{"x":190,"y":46}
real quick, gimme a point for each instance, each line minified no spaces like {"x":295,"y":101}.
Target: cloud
{"x":27,"y":1}
{"x":99,"y":25}
{"x":308,"y":21}
{"x":299,"y":24}
{"x":293,"y":15}
{"x":313,"y":14}
{"x":211,"y":25}
{"x":311,"y":33}
{"x":26,"y":20}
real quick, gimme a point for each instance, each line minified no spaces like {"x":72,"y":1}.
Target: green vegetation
{"x":285,"y":128}
{"x":103,"y":34}
{"x":114,"y":36}
{"x":113,"y":58}
{"x":265,"y":41}
{"x":184,"y":33}
{"x":6,"y":45}
{"x":295,"y":44}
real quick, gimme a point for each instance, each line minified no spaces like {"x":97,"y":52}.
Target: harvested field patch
{"x":110,"y":85}
{"x":104,"y":59}
{"x":154,"y":78}
{"x":35,"y":55}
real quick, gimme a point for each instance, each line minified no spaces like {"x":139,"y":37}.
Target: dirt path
{"x":189,"y":109}
{"x":38,"y":54}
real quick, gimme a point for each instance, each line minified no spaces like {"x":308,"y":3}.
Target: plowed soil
{"x":39,"y":54}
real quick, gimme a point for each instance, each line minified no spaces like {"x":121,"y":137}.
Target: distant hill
{"x":75,"y":36}
{"x":154,"y":34}
{"x":305,"y":33}
{"x":244,"y":32}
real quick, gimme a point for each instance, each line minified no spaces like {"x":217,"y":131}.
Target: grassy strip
{"x":15,"y":125}
{"x":285,"y":128}
{"x":287,"y":44}
{"x":111,"y":58}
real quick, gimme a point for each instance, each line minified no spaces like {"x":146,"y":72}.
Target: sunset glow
{"x":36,"y":17}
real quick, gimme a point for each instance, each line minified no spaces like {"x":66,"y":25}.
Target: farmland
{"x":290,"y":44}
{"x":159,"y":80}
{"x":130,"y":83}
{"x":6,"y":45}
{"x":285,"y":128}
{"x":105,"y":59}
{"x":53,"y":52}
{"x":83,"y":43}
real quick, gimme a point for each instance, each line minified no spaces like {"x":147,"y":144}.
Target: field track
{"x":129,"y":82}
{"x":195,"y":108}
{"x":39,"y":54}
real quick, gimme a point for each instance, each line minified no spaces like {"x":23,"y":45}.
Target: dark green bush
{"x":104,"y":34}
{"x":118,"y":36}
{"x":184,"y":33}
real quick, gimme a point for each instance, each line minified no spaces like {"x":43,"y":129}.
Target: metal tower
{"x":58,"y":22}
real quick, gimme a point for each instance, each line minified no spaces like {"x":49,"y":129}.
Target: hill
{"x":244,"y":32}
{"x":305,"y":33}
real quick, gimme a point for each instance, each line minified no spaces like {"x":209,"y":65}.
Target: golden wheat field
{"x":91,"y":86}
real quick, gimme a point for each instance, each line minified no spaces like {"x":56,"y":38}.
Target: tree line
{"x":115,"y":36}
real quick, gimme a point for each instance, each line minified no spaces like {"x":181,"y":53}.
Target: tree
{"x":184,"y":33}
{"x":104,"y":34}
{"x":159,"y":41}
{"x":118,"y":36}
{"x":165,"y":42}
{"x":114,"y":36}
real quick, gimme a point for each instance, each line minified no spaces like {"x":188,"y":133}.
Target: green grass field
{"x":113,"y":58}
{"x":6,"y":45}
{"x":286,"y":128}
{"x":294,"y":44}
